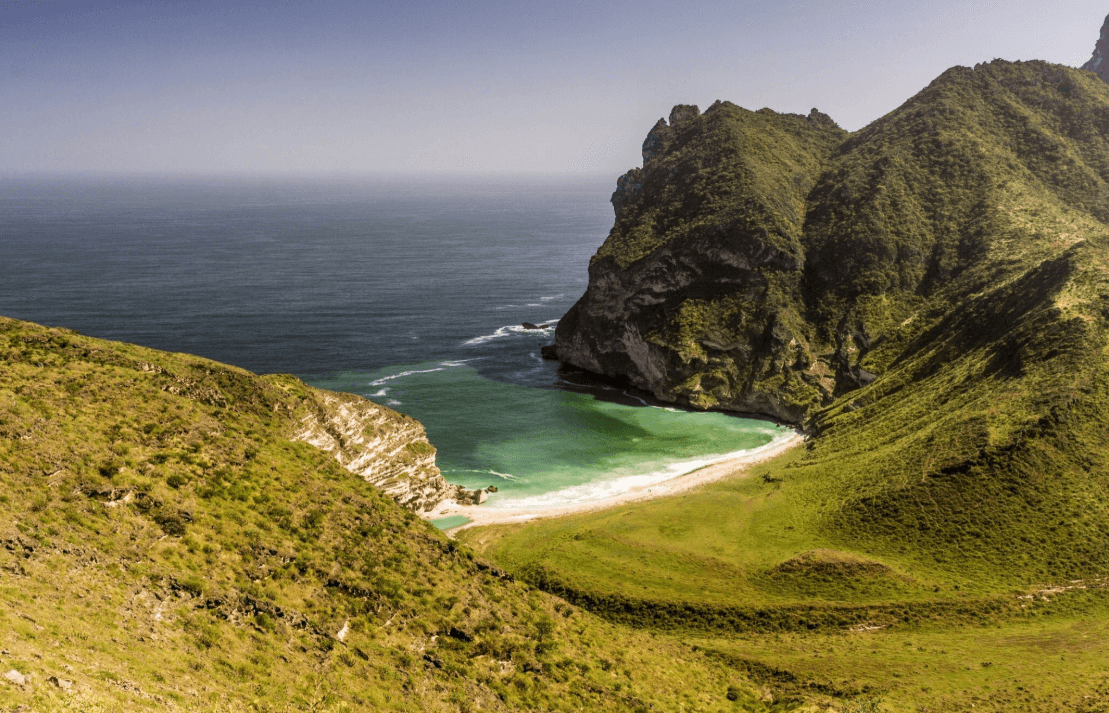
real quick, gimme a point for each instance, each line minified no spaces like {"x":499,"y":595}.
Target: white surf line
{"x":510,"y":329}
{"x":606,"y":488}
{"x":382,"y":380}
{"x":489,"y":471}
{"x":701,"y":473}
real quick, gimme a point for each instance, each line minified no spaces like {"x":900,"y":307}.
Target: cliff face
{"x":693,"y":296}
{"x":1098,"y":62}
{"x":387,"y":449}
{"x":771,"y":263}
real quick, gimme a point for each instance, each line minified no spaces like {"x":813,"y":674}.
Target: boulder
{"x":15,"y":677}
{"x":471,"y":497}
{"x":549,"y":352}
{"x":529,"y":325}
{"x":61,"y":683}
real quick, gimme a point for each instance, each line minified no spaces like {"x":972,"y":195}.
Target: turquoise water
{"x":545,"y":447}
{"x":447,"y":523}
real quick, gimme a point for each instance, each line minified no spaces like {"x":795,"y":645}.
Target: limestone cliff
{"x":387,"y":449}
{"x":1098,"y":63}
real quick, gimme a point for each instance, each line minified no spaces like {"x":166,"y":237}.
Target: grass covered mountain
{"x":770,"y":263}
{"x":929,"y":298}
{"x":168,"y":541}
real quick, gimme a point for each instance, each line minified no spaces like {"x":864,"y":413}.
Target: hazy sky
{"x":465,"y":87}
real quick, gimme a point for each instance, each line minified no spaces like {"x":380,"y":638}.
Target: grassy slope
{"x":966,"y":234}
{"x":164,"y":545}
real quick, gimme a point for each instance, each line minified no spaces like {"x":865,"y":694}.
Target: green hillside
{"x":943,"y":337}
{"x":164,"y":545}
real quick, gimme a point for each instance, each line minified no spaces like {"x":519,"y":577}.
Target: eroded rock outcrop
{"x":386,"y":448}
{"x":1099,"y":62}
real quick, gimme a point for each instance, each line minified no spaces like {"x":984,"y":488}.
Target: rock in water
{"x":1099,"y":62}
{"x":549,"y":352}
{"x":529,"y":325}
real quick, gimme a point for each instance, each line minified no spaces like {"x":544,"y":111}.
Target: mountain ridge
{"x":782,"y":300}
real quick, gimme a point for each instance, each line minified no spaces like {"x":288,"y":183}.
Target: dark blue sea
{"x":409,"y":292}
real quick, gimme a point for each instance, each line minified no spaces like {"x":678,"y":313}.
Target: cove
{"x":549,"y":447}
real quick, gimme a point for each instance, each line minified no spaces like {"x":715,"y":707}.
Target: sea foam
{"x":610,"y":487}
{"x":512,"y":329}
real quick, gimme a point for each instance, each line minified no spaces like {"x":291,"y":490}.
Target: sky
{"x":465,"y":87}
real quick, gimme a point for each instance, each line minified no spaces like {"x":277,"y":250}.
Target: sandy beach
{"x":730,"y":467}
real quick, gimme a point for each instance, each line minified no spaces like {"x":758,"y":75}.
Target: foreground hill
{"x":929,"y":299}
{"x":167,"y":544}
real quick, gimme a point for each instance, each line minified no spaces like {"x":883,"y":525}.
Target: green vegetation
{"x":928,"y":296}
{"x":951,"y":303}
{"x":164,"y":545}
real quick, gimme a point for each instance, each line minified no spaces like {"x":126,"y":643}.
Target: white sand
{"x":484,"y":515}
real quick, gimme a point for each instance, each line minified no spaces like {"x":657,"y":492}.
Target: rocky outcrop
{"x":676,"y":299}
{"x":1099,"y":62}
{"x":386,"y":448}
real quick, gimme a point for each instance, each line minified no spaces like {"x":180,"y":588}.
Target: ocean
{"x":410,"y":292}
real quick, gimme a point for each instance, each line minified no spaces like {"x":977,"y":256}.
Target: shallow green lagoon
{"x":544,"y":447}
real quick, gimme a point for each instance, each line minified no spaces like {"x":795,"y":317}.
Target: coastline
{"x":730,"y":466}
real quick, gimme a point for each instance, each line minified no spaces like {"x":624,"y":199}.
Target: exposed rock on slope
{"x":1099,"y":62}
{"x":388,"y":449}
{"x":771,"y":263}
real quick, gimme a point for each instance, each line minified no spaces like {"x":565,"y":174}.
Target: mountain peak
{"x":1098,"y":63}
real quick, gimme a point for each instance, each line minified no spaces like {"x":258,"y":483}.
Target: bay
{"x":410,"y":292}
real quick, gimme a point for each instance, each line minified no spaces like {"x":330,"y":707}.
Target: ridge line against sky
{"x":472,"y":88}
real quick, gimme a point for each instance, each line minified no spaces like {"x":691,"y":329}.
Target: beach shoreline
{"x":481,"y":515}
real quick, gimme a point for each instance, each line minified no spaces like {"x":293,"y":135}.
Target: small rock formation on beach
{"x":1099,"y":62}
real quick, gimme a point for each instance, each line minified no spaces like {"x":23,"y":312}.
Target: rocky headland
{"x":771,"y":263}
